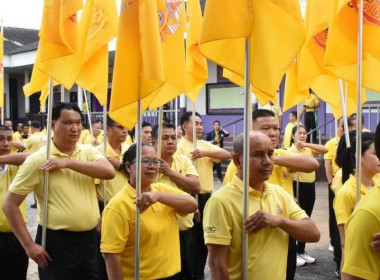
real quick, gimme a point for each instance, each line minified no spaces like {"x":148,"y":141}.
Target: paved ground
{"x":323,"y":269}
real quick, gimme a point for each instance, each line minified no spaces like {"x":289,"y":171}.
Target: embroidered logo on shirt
{"x":209,"y":229}
{"x":279,"y":209}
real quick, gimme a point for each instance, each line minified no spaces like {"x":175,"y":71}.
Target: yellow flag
{"x":276,"y":31}
{"x":93,"y":75}
{"x":310,"y":65}
{"x":172,"y":25}
{"x":350,"y":91}
{"x":294,"y":93}
{"x":61,"y":44}
{"x":1,"y":68}
{"x":60,"y":48}
{"x":139,"y":67}
{"x":341,"y":50}
{"x":196,"y":63}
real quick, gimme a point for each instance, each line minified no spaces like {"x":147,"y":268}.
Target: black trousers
{"x":73,"y":255}
{"x":334,"y":231}
{"x":291,"y":265}
{"x":218,"y":168}
{"x":311,"y":124}
{"x":306,"y":198}
{"x":187,"y":257}
{"x":200,"y":249}
{"x":13,"y":259}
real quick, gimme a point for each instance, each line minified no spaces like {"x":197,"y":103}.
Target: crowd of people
{"x":92,"y":200}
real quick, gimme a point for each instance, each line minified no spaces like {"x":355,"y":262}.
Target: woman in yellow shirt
{"x":306,"y":193}
{"x":345,"y":199}
{"x":158,"y":205}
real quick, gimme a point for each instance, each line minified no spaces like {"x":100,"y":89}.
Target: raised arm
{"x":14,"y":159}
{"x":217,"y":154}
{"x":300,"y":163}
{"x":319,"y":148}
{"x":302,"y":230}
{"x":100,"y":168}
{"x":217,"y":260}
{"x":12,"y":211}
{"x":181,"y":203}
{"x":188,"y":183}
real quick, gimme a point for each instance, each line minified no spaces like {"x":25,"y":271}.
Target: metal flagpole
{"x":247,"y":129}
{"x":159,"y":138}
{"x":63,"y":94}
{"x":88,"y":113}
{"x":176,"y":116}
{"x":2,"y":85}
{"x":46,"y":173}
{"x":159,"y":132}
{"x":194,"y":137}
{"x":105,"y":141}
{"x":344,"y":110}
{"x":359,"y":103}
{"x":138,"y":189}
{"x":298,"y":174}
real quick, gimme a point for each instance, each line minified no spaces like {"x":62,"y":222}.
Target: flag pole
{"x":159,"y":132}
{"x":46,"y":173}
{"x":138,"y":189}
{"x":63,"y":94}
{"x":344,"y":111}
{"x":247,"y":129}
{"x":88,"y":113}
{"x":176,"y":116}
{"x":2,"y":85}
{"x":194,"y":137}
{"x":298,"y":174}
{"x":105,"y":141}
{"x":359,"y":103}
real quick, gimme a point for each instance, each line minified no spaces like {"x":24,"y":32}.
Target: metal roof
{"x":19,"y":40}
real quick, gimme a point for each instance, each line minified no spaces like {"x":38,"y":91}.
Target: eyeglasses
{"x":150,"y":163}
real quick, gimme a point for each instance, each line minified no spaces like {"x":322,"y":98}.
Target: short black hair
{"x":57,"y":109}
{"x":294,"y":113}
{"x":261,"y":113}
{"x":25,"y":125}
{"x":111,"y":122}
{"x":36,"y":124}
{"x":186,"y":117}
{"x":130,"y":156}
{"x":164,"y":125}
{"x":377,"y":140}
{"x":144,"y":124}
{"x":216,"y":121}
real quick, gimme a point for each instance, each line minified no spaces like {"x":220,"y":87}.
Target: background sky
{"x":28,"y":13}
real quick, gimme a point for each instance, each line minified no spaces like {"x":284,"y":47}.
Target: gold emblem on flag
{"x":371,"y":10}
{"x":321,"y":38}
{"x":170,"y":18}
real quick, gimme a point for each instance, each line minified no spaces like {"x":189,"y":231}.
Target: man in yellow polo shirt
{"x":72,"y":203}
{"x":116,"y":147}
{"x":178,"y":172}
{"x":273,"y":216}
{"x":331,"y":168}
{"x":203,"y":157}
{"x":13,"y":258}
{"x":284,"y":163}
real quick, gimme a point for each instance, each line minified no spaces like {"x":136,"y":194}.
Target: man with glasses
{"x":203,"y":156}
{"x":179,"y":172}
{"x":116,"y":147}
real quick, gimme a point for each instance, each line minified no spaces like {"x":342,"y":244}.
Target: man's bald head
{"x":260,"y":157}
